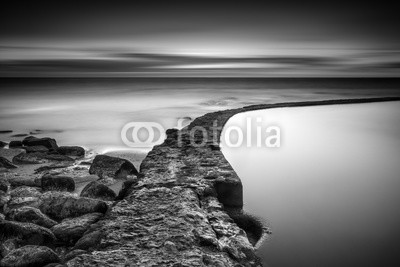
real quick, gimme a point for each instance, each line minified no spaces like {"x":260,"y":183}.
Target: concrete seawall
{"x":186,"y":208}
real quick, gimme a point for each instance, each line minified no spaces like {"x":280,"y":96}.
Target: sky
{"x":198,"y":38}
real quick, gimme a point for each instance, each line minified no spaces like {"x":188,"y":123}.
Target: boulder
{"x":15,"y":144}
{"x":30,"y":256}
{"x":24,"y":181}
{"x":111,"y":166}
{"x":50,"y":143}
{"x":4,"y":184}
{"x":31,"y":215}
{"x":9,"y":245}
{"x":98,"y":190}
{"x":38,"y":158}
{"x":89,"y":240}
{"x":57,"y":183}
{"x":29,"y":233}
{"x":74,"y":253}
{"x":61,"y":205}
{"x":33,"y":149}
{"x":23,"y":196}
{"x":126,"y":188}
{"x":5,"y":163}
{"x":75,"y":151}
{"x":72,"y":229}
{"x":2,"y":144}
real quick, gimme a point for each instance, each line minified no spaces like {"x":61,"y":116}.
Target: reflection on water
{"x":331,"y":191}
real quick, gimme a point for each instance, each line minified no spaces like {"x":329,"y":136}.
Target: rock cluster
{"x":42,"y":218}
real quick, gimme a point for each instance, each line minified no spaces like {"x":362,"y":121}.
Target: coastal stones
{"x":30,"y":256}
{"x":98,"y":190}
{"x":15,"y":144}
{"x":33,"y":149}
{"x":38,"y":157}
{"x":72,"y":229}
{"x":60,"y":205}
{"x":24,"y":181}
{"x":2,"y":144}
{"x":47,"y":142}
{"x":58,"y":183}
{"x":28,"y":233}
{"x":104,"y":166}
{"x":75,"y":151}
{"x":5,"y":163}
{"x":4,"y":184}
{"x":23,"y":196}
{"x":89,"y":240}
{"x":32,"y":215}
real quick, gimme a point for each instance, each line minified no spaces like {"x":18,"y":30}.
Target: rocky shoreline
{"x":182,"y":208}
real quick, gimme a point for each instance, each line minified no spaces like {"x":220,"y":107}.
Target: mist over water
{"x":330,"y":193}
{"x":92,"y":112}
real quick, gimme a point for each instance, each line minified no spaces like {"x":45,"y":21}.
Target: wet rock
{"x":23,"y":196}
{"x":33,"y":149}
{"x":19,"y":135}
{"x":4,"y":198}
{"x":30,"y":256}
{"x":75,"y":151}
{"x":24,"y":181}
{"x":98,"y":190}
{"x":2,"y":217}
{"x":15,"y":144}
{"x":5,"y":163}
{"x":9,"y":245}
{"x":89,"y":240}
{"x":38,"y":157}
{"x":60,"y":205}
{"x":111,"y":166}
{"x":50,"y":143}
{"x":4,"y":184}
{"x":2,"y":144}
{"x":29,"y":233}
{"x":31,"y":215}
{"x":126,"y":188}
{"x":57,"y":183}
{"x":72,"y":229}
{"x":74,"y":253}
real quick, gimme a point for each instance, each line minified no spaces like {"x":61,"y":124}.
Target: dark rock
{"x":5,"y":163}
{"x":38,"y":158}
{"x":72,"y":229}
{"x":89,"y":240}
{"x":57,"y":183}
{"x":98,"y":190}
{"x":111,"y":166}
{"x":73,"y":254}
{"x":30,"y":256}
{"x":230,"y":192}
{"x":2,"y":144}
{"x":4,"y":198}
{"x":29,"y":233}
{"x":126,"y":188}
{"x":23,"y":196}
{"x":61,"y":205}
{"x":31,"y":215}
{"x":50,"y":143}
{"x":27,"y":181}
{"x":15,"y":144}
{"x":75,"y":151}
{"x":9,"y":245}
{"x":5,"y":131}
{"x":4,"y":184}
{"x":33,"y":149}
{"x":19,"y":135}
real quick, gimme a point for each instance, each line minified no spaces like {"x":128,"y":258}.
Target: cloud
{"x":109,"y":62}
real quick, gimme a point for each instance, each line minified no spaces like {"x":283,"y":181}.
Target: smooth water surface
{"x":331,"y":191}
